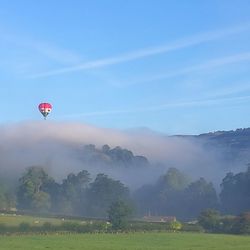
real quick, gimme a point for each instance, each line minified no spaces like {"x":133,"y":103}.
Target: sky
{"x":176,"y":67}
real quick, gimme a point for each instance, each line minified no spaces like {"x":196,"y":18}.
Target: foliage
{"x":30,"y":194}
{"x":192,"y":227}
{"x":212,"y":221}
{"x":73,"y":193}
{"x":199,"y":195}
{"x":235,"y":192}
{"x":116,"y":157}
{"x":7,"y":198}
{"x":3,"y":199}
{"x":242,"y":224}
{"x":173,"y":194}
{"x":209,"y":219}
{"x":103,"y":192}
{"x":118,"y":214}
{"x":174,"y":180}
{"x":24,"y":227}
{"x":40,"y":201}
{"x":175,"y":225}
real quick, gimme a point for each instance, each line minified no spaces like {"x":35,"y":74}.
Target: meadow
{"x":16,"y":219}
{"x":130,"y":241}
{"x":111,"y":241}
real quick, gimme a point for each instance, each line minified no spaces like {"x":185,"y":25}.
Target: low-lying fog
{"x":56,"y":146}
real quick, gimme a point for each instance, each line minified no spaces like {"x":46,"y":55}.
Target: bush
{"x":242,"y":224}
{"x":3,"y":228}
{"x":71,"y":226}
{"x":209,"y":219}
{"x":118,"y":214}
{"x":47,"y":227}
{"x":175,"y":225}
{"x":24,"y":227}
{"x":186,"y":227}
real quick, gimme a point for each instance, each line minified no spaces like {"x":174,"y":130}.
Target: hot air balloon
{"x":45,"y":109}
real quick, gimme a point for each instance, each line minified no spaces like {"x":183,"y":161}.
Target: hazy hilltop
{"x":83,"y":169}
{"x":134,"y":157}
{"x":239,"y":138}
{"x":233,"y":145}
{"x":112,"y":157}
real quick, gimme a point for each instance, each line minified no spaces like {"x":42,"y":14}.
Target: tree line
{"x":173,"y":194}
{"x":75,"y":195}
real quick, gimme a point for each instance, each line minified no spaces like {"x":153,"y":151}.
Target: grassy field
{"x":15,"y":220}
{"x":131,"y":241}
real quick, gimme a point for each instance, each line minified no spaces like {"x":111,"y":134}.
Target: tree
{"x":3,"y":200}
{"x":165,"y":197}
{"x":174,"y":180}
{"x":73,"y":192}
{"x":30,"y":191}
{"x":146,"y":200}
{"x":105,"y":149}
{"x":175,"y":225}
{"x":169,"y":190}
{"x":174,"y":195}
{"x":41,"y":202}
{"x":198,"y":196}
{"x":209,"y":219}
{"x":242,"y":224}
{"x":103,"y":192}
{"x":235,"y":193}
{"x":118,"y":214}
{"x":7,"y":198}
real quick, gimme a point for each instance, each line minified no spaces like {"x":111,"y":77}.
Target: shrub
{"x":3,"y":228}
{"x":47,"y":227}
{"x":24,"y":227}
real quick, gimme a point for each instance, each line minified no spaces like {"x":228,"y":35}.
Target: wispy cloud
{"x":214,"y":63}
{"x":233,"y":89}
{"x":143,"y":53}
{"x":213,"y":101}
{"x":42,"y":48}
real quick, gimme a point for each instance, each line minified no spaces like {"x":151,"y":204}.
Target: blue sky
{"x":178,"y":67}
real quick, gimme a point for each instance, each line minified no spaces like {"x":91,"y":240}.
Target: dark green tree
{"x":235,"y":193}
{"x":174,"y":180}
{"x":41,"y":202}
{"x":209,"y":219}
{"x":198,"y":196}
{"x":103,"y":192}
{"x":242,"y":224}
{"x":73,"y":193}
{"x":7,"y":197}
{"x":118,"y":214}
{"x":30,"y":191}
{"x":165,"y":197}
{"x":3,"y":199}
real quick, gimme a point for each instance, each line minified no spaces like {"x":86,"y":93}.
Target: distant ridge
{"x":234,"y":143}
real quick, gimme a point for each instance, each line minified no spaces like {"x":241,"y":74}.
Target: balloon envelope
{"x":45,"y":108}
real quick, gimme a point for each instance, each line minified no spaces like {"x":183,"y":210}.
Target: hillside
{"x":112,"y":157}
{"x":231,"y":146}
{"x":234,"y":144}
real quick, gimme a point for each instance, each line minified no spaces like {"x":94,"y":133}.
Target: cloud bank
{"x":57,"y":146}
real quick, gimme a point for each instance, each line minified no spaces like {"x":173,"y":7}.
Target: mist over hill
{"x":233,"y":146}
{"x":83,"y":169}
{"x":135,"y":157}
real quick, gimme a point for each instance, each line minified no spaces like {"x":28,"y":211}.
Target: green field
{"x":15,"y":220}
{"x":136,"y":241}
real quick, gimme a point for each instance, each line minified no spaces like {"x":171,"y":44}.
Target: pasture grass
{"x":130,"y":241}
{"x":15,"y":220}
